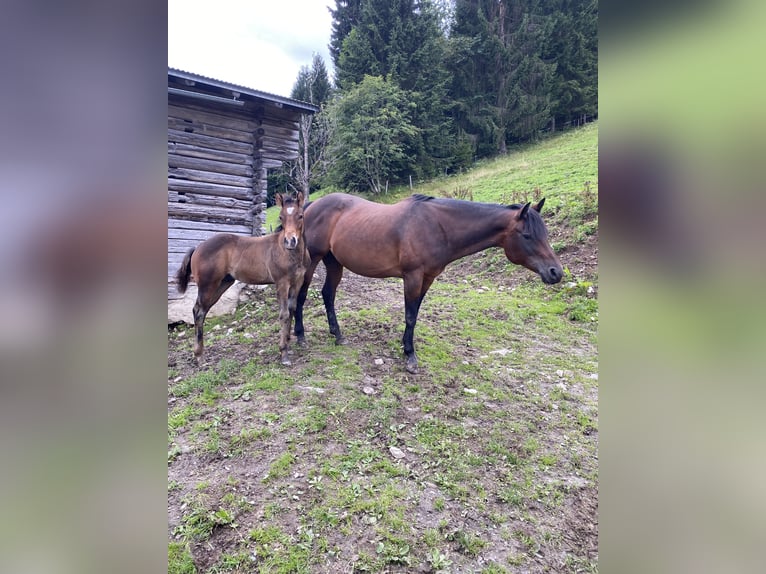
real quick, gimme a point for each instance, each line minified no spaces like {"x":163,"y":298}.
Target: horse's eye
{"x":526,"y":236}
{"x":300,"y":216}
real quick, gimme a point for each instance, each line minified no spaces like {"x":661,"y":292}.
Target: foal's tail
{"x":184,"y":272}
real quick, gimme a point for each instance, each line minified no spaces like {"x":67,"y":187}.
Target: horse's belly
{"x":369,"y":263}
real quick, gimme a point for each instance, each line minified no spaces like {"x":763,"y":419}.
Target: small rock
{"x":560,"y":373}
{"x":593,"y":376}
{"x":217,"y":328}
{"x":396,"y":452}
{"x":248,"y":336}
{"x":368,"y":391}
{"x":378,"y":361}
{"x":502,"y":352}
{"x":470,"y":391}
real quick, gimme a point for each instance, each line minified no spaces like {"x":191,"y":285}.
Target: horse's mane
{"x":533,"y":223}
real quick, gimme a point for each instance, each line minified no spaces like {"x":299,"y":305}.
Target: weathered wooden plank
{"x":273,"y":113}
{"x":209,"y":177}
{"x":201,"y":128}
{"x":181,"y":245}
{"x":209,"y":142}
{"x":229,"y":121}
{"x":210,"y":189}
{"x":209,"y":213}
{"x":207,"y":153}
{"x":209,"y":165}
{"x":200,"y":199}
{"x":276,"y":143}
{"x":268,"y":163}
{"x":198,"y":234}
{"x":208,"y":106}
{"x":283,"y":132}
{"x":203,"y":225}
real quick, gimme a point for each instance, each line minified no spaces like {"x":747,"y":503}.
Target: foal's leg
{"x":207,"y":296}
{"x":331,"y":282}
{"x":283,"y":293}
{"x":415,"y":288}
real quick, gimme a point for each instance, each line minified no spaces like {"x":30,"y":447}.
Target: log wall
{"x":218,"y":157}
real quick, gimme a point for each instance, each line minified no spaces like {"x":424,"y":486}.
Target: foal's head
{"x":291,"y":219}
{"x":527,"y":244}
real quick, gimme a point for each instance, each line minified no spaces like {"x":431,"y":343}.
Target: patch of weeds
{"x":494,"y":569}
{"x":438,"y":561}
{"x":394,"y":551}
{"x":180,"y":560}
{"x":531,"y":445}
{"x":586,"y":423}
{"x":527,"y":541}
{"x":314,"y":422}
{"x":467,"y":543}
{"x":439,"y":503}
{"x":206,"y":381}
{"x":232,"y":563}
{"x":280,"y":467}
{"x":580,"y":565}
{"x":246,"y":437}
{"x":199,"y":522}
{"x":179,"y":417}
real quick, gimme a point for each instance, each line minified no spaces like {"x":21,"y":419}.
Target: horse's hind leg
{"x":207,"y":296}
{"x":332,"y":280}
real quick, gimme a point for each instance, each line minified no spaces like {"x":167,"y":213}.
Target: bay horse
{"x":415,"y":239}
{"x":280,"y":258}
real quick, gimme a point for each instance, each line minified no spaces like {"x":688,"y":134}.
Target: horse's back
{"x":362,"y":235}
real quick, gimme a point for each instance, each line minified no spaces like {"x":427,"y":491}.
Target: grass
{"x":293,"y":469}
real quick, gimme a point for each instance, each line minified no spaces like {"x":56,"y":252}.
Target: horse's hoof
{"x":286,"y":362}
{"x":301,"y":341}
{"x":412,"y":366}
{"x":341,"y":341}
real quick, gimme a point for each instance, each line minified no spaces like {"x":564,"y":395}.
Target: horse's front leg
{"x":301,"y":300}
{"x":283,"y":292}
{"x":415,"y":288}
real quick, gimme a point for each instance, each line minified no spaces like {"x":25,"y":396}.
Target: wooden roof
{"x":196,"y":86}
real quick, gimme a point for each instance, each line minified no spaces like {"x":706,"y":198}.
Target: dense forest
{"x":426,"y":87}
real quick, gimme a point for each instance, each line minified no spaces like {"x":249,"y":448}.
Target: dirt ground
{"x":536,"y":534}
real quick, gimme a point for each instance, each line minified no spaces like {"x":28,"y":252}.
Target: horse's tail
{"x":184,"y":272}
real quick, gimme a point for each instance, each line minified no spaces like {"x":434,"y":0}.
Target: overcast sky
{"x":259,"y":44}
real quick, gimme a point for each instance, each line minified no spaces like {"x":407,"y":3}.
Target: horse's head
{"x":527,"y":244}
{"x":291,"y":219}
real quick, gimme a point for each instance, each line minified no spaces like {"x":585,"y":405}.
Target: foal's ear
{"x":299,"y":198}
{"x":279,"y":199}
{"x":539,"y":205}
{"x":523,"y":211}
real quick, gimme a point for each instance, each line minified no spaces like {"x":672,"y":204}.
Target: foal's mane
{"x":533,"y":223}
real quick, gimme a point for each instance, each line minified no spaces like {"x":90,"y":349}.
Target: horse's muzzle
{"x":291,"y":242}
{"x":551,"y":275}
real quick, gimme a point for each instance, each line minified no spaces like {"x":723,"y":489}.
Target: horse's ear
{"x":539,"y":205}
{"x":299,"y":198}
{"x":523,"y":211}
{"x":279,"y":199}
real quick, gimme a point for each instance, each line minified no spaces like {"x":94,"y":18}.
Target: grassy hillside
{"x":563,"y":169}
{"x":484,"y":462}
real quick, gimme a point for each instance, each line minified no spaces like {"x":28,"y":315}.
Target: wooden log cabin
{"x":222,"y":140}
